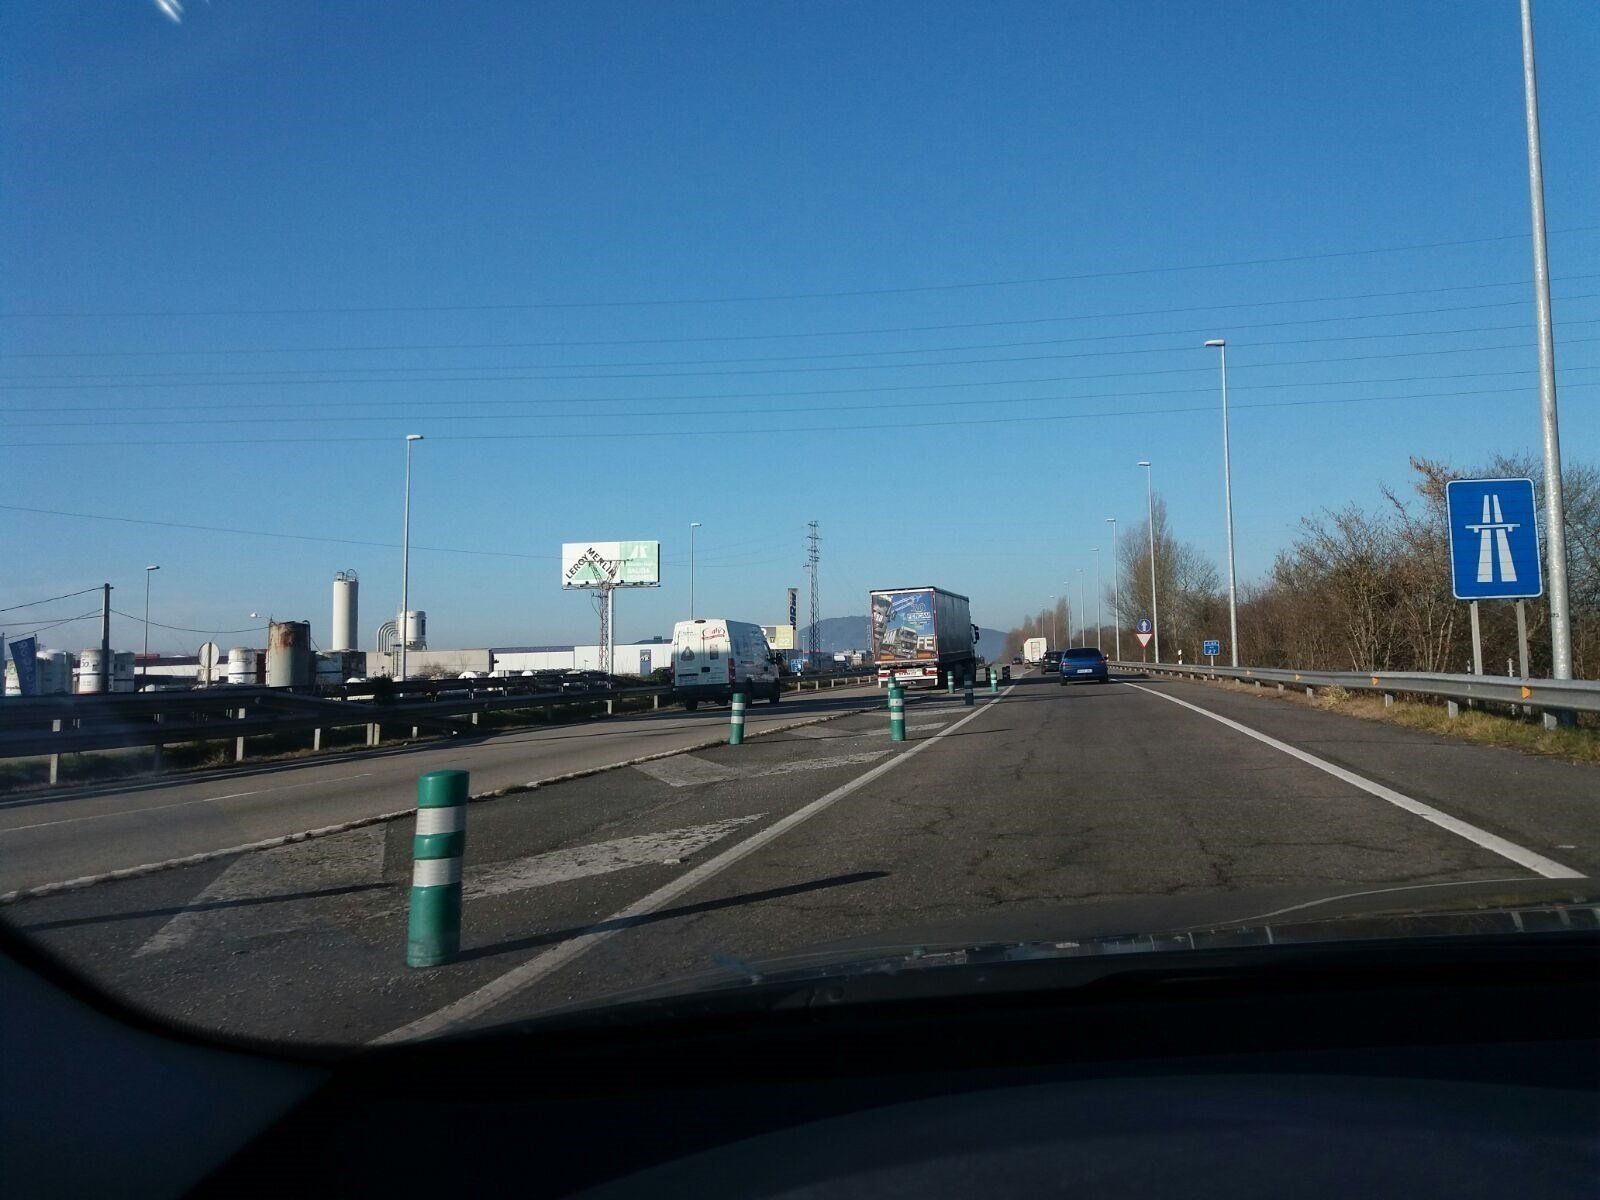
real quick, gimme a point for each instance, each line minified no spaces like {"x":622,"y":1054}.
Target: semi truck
{"x":922,"y":634}
{"x":1033,"y":650}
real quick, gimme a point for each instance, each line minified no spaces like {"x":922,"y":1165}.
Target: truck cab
{"x":713,"y":657}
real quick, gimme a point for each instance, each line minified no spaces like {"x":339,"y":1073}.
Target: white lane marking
{"x":134,"y":812}
{"x":600,"y":858}
{"x":685,"y":770}
{"x":1537,"y":863}
{"x":275,"y":875}
{"x":818,"y":764}
{"x":528,"y":973}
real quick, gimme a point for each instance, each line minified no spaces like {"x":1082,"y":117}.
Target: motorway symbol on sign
{"x":1211,"y":646}
{"x":1494,"y":539}
{"x":1145,"y":626}
{"x":1144,"y":638}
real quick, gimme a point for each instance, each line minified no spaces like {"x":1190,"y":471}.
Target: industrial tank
{"x":241,"y":665}
{"x":416,"y":630}
{"x":89,"y":663}
{"x":345,"y":613}
{"x":289,"y":659}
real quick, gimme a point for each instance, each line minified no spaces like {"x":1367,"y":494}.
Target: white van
{"x":711,"y":655}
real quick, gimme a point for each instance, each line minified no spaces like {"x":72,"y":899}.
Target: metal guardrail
{"x":1556,"y":695}
{"x":129,"y":720}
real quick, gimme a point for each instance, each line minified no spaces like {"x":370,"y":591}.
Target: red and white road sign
{"x":1144,"y":638}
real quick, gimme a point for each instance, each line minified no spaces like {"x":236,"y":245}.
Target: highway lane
{"x":49,"y":837}
{"x":1034,"y":816}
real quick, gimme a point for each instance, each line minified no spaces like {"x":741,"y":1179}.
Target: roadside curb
{"x":87,"y":881}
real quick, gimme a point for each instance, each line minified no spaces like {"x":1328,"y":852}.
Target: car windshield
{"x":511,"y":508}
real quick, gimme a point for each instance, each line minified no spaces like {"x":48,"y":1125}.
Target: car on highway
{"x":1016,"y":660}
{"x":1050,"y":662}
{"x":1084,"y":664}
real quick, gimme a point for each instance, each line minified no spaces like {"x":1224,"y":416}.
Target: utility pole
{"x":1116,"y":586}
{"x":1221,"y":345}
{"x":1555,"y":525}
{"x":1099,"y":588}
{"x":1150,"y":511}
{"x":813,"y":556}
{"x":105,"y":638}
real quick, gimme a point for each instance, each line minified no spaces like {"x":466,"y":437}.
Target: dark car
{"x":1050,"y":662}
{"x":1016,"y":660}
{"x":1084,"y":664}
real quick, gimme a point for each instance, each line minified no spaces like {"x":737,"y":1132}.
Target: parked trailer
{"x":920,"y":635}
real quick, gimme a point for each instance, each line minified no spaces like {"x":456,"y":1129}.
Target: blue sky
{"x":245,"y":254}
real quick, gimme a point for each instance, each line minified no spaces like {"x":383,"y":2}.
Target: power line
{"x":286,"y":379}
{"x":323,"y":405}
{"x":56,"y":624}
{"x":731,"y":430}
{"x":745,"y":410}
{"x":686,"y":301}
{"x":420,"y":347}
{"x":51,"y":600}
{"x":185,"y":629}
{"x":296,"y":537}
{"x":296,"y":375}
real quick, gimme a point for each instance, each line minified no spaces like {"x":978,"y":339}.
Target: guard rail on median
{"x":1559,"y":695}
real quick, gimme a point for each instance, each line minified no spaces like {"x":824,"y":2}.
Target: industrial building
{"x":636,"y":658}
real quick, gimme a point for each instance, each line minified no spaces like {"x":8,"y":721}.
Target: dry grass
{"x":1484,"y":727}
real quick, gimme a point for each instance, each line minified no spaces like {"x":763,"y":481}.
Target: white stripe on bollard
{"x":442,"y":820}
{"x":431,"y":872}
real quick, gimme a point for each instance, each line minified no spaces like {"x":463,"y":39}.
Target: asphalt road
{"x":68,"y":833}
{"x":1049,"y":812}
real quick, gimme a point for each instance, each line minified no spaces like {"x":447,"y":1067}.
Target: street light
{"x":1083,"y":609}
{"x":405,"y":559}
{"x":1116,"y":587}
{"x":148,"y":571}
{"x":1150,"y":518}
{"x":1555,"y":524}
{"x":693,"y":525}
{"x":1221,"y":346}
{"x":1055,"y":624}
{"x":1098,"y":588}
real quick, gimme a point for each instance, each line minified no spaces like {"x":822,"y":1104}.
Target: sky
{"x":936,"y":276}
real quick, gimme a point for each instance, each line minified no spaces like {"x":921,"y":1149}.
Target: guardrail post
{"x":1388,"y":699}
{"x":655,"y":701}
{"x":1310,"y":691}
{"x":736,"y":720}
{"x":897,"y":713}
{"x":1453,"y":708}
{"x":611,"y":707}
{"x":55,"y":759}
{"x":238,"y":743}
{"x":966,"y":689}
{"x":316,"y":739}
{"x":1551,"y":720}
{"x":1280,"y":689}
{"x":433,"y":934}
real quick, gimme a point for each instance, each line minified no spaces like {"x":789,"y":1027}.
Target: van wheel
{"x":690,"y":705}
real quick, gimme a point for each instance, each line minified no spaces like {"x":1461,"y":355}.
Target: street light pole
{"x":405,"y":560}
{"x":1150,"y":518}
{"x":1221,"y":346}
{"x":1055,"y":624}
{"x":1083,"y":609}
{"x":693,"y":525}
{"x":1099,"y":625}
{"x":1116,"y":587}
{"x":1555,"y":525}
{"x":148,"y":571}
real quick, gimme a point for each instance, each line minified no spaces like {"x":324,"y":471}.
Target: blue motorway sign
{"x":1144,"y":625}
{"x":1494,"y":539}
{"x":1211,"y":646}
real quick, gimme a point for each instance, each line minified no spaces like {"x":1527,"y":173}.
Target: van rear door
{"x":688,"y":653}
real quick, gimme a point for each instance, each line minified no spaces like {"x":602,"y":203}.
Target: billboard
{"x":902,"y":626}
{"x":619,"y":564}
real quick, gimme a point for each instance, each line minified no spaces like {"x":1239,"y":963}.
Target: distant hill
{"x":836,"y":634}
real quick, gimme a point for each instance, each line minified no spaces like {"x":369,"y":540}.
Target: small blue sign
{"x":1494,"y":539}
{"x":1211,"y":646}
{"x":1144,"y":625}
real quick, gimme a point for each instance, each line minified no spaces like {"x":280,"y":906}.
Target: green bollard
{"x":966,"y":690}
{"x":897,"y":713}
{"x":433,"y":936}
{"x":949,"y":683}
{"x":994,"y":680}
{"x":736,"y":721}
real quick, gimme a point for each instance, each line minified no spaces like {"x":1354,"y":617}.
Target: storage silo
{"x":90,"y":661}
{"x":289,"y":659}
{"x":241,"y":665}
{"x":345,"y":614}
{"x":416,"y":629}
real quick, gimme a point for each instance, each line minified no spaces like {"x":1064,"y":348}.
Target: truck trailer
{"x":1033,"y":650}
{"x":920,"y":635}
